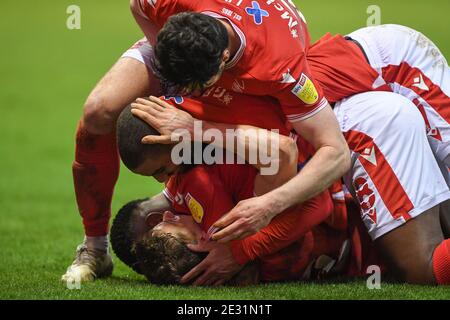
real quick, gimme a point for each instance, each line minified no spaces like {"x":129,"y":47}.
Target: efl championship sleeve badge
{"x":305,"y":90}
{"x":195,"y":208}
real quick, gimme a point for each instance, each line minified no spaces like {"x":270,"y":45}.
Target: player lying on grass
{"x":135,"y":156}
{"x":158,"y":246}
{"x":96,"y":160}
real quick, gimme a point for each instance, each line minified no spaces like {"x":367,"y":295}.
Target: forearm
{"x":259,"y":147}
{"x":283,"y":230}
{"x":325,"y":167}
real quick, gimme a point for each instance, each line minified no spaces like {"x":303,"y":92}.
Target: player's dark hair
{"x":130,"y":131}
{"x":164,"y":258}
{"x":189,"y":50}
{"x":121,"y":237}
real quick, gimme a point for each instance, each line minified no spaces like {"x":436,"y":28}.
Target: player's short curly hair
{"x":189,"y":51}
{"x":164,"y":258}
{"x":121,"y":237}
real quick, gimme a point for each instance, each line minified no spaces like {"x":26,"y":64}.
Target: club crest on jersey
{"x":177,"y":99}
{"x":195,"y":208}
{"x":305,"y":90}
{"x":257,"y":13}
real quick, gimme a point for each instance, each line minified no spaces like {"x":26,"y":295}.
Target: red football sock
{"x":441,"y":263}
{"x":95,"y":172}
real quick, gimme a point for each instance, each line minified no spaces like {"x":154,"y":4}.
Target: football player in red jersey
{"x":225,"y":45}
{"x":94,"y":181}
{"x":162,"y":254}
{"x":393,"y":58}
{"x":196,"y":62}
{"x":421,"y":258}
{"x":398,"y":199}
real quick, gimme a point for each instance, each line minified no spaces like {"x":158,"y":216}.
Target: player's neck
{"x":233,"y":38}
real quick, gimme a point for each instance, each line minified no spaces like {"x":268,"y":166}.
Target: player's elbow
{"x":287,"y":160}
{"x":288,"y":152}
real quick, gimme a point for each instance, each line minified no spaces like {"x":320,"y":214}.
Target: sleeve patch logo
{"x":195,"y":208}
{"x":305,"y":90}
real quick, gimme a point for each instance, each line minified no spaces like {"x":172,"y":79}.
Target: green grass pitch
{"x":46,"y":73}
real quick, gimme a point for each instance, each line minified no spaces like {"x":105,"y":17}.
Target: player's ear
{"x":153,"y":218}
{"x":226,"y":55}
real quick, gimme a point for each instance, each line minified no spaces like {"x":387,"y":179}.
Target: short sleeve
{"x":298,"y":93}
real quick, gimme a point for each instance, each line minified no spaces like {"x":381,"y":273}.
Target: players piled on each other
{"x":201,"y":194}
{"x":230,"y":52}
{"x":155,"y":244}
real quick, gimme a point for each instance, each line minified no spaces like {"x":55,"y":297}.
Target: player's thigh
{"x":129,"y":78}
{"x":394,"y":175}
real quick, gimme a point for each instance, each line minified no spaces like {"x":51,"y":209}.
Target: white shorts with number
{"x":394,"y":176}
{"x":412,"y":65}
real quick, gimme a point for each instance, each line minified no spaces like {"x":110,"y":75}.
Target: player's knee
{"x":98,"y":117}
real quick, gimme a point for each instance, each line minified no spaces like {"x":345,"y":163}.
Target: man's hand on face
{"x":163,"y":117}
{"x":216,"y":269}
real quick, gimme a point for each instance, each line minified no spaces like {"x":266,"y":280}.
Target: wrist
{"x":238,"y":252}
{"x":275,"y":203}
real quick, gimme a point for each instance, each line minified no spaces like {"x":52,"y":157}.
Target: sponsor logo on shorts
{"x":305,"y":90}
{"x":195,"y":208}
{"x":366,"y":198}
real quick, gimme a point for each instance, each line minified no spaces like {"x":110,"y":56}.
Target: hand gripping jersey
{"x":272,"y":57}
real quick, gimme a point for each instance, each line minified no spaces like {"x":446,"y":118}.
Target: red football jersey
{"x":208,"y":192}
{"x":340,"y":67}
{"x":272,"y":59}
